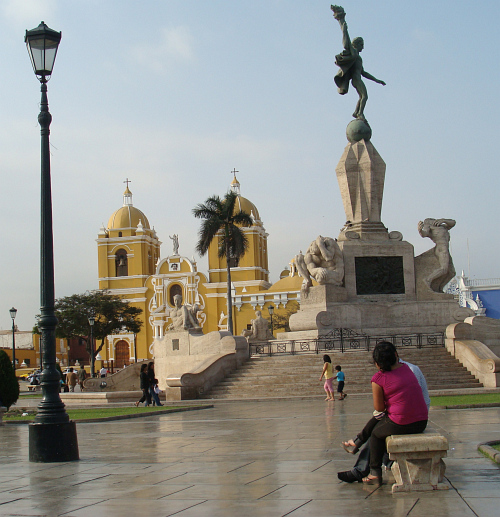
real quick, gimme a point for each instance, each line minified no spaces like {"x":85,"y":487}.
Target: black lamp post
{"x":271,"y":312}
{"x":92,"y":359}
{"x":13,"y":313}
{"x":52,"y":436}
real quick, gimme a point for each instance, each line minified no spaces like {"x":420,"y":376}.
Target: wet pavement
{"x":271,"y":458}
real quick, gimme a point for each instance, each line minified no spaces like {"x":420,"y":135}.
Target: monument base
{"x":325,"y":309}
{"x":50,"y":443}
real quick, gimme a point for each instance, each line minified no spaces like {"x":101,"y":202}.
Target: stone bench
{"x":2,"y":411}
{"x":418,"y":463}
{"x":35,"y":387}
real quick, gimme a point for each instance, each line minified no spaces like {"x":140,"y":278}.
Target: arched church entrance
{"x":122,"y":354}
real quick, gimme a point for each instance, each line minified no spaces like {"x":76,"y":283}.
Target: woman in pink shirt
{"x":399,"y":406}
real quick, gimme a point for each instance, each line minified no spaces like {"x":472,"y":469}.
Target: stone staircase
{"x":298,"y":375}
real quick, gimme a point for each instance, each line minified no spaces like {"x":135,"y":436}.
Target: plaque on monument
{"x":379,"y":275}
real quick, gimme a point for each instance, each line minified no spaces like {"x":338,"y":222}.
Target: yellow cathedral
{"x":130,"y":265}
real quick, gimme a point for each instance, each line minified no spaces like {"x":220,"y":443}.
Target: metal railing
{"x":343,"y":340}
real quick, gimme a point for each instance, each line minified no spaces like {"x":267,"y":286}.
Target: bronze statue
{"x":351,"y":65}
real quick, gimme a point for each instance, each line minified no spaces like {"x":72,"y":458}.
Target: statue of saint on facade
{"x":438,"y":230}
{"x":260,"y":329}
{"x":175,"y":243}
{"x":351,"y":65}
{"x":184,"y":317}
{"x":322,"y":262}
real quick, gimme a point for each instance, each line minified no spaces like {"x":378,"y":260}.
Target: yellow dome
{"x":127,"y":216}
{"x":244,"y":205}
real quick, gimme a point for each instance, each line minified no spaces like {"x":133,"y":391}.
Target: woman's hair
{"x":143,"y":367}
{"x":385,"y":355}
{"x":150,"y":365}
{"x":326,"y":359}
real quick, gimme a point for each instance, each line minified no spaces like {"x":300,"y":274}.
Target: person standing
{"x":341,"y":382}
{"x":82,"y":374}
{"x":144,"y":379}
{"x":103,"y":371}
{"x":71,"y":379}
{"x":328,"y":374}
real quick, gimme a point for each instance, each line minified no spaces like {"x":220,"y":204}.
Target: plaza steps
{"x":298,"y":375}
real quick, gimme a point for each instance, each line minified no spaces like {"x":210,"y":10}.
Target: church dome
{"x":242,"y":203}
{"x":127,"y":216}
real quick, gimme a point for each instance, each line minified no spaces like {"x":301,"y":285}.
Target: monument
{"x":368,"y":279}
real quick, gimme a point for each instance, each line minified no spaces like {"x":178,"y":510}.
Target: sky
{"x":174,"y":94}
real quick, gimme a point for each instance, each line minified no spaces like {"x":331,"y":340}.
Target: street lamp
{"x":52,"y":436}
{"x":13,"y":313}
{"x":270,"y":309}
{"x":92,"y":359}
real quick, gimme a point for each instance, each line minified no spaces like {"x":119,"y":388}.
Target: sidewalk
{"x":266,"y":458}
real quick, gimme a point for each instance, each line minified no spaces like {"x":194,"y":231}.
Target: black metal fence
{"x":343,"y":340}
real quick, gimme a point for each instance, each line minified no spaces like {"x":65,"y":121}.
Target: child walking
{"x":328,"y":374}
{"x":341,"y":382}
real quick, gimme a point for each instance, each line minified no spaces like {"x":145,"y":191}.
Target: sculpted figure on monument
{"x":260,"y":329}
{"x":322,"y":262}
{"x":438,"y":230}
{"x":175,"y":243}
{"x":351,"y":65}
{"x":183,"y":316}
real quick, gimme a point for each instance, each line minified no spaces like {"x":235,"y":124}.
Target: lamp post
{"x":13,"y":313}
{"x":52,"y":436}
{"x":92,"y":359}
{"x":270,"y":309}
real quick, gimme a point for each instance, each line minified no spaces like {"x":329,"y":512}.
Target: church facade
{"x":130,"y":265}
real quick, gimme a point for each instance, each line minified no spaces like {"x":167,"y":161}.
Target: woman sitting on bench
{"x":399,"y":406}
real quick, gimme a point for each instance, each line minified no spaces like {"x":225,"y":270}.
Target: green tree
{"x":281,"y":317}
{"x":111,"y":313}
{"x":9,"y":386}
{"x":220,"y":217}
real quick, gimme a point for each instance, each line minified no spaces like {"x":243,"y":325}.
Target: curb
{"x":469,"y":406}
{"x":487,"y":449}
{"x":122,"y":417}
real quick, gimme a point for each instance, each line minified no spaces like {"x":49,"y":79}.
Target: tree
{"x":220,"y":217}
{"x":9,"y":386}
{"x":281,"y":317}
{"x":111,"y":313}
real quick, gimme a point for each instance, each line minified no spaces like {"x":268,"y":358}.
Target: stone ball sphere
{"x":358,"y":130}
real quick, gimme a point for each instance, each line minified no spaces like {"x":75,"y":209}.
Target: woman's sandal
{"x":351,"y":449}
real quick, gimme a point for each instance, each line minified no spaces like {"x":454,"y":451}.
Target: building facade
{"x":130,"y":265}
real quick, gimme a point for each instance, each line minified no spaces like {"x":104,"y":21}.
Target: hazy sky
{"x":174,"y":94}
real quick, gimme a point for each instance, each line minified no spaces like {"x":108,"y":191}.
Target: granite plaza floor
{"x":272,"y":458}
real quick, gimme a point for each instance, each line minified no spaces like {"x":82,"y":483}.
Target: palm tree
{"x":220,"y":215}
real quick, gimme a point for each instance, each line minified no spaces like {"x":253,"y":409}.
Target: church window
{"x":119,"y":234}
{"x":121,"y":262}
{"x":174,"y":290}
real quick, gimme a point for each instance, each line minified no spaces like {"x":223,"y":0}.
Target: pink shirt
{"x":403,"y":397}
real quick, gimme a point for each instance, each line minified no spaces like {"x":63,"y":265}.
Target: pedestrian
{"x":144,"y":378}
{"x":82,"y":374}
{"x":328,"y":374}
{"x":103,"y":371}
{"x":341,"y":382}
{"x":153,"y":384}
{"x":71,"y":379}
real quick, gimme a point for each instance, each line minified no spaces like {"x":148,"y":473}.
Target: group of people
{"x":73,"y":378}
{"x":149,"y":386}
{"x":401,"y":405}
{"x":329,"y":378}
